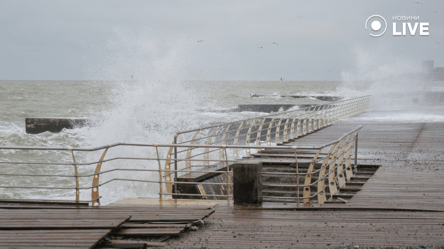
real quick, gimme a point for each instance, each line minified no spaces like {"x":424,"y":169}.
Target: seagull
{"x":259,"y":47}
{"x":275,"y":43}
{"x":132,"y":76}
{"x":199,"y":40}
{"x":282,"y":79}
{"x":438,"y":42}
{"x":417,"y":3}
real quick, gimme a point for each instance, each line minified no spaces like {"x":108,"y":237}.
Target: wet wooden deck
{"x":412,"y":163}
{"x":401,"y":205}
{"x":43,"y":224}
{"x":246,"y":228}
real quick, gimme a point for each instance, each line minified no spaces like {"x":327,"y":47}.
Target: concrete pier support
{"x":247,"y":187}
{"x":39,"y":125}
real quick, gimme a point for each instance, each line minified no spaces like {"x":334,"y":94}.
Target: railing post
{"x":77,"y":177}
{"x":356,"y":152}
{"x":175,"y":166}
{"x":228,"y":173}
{"x":160,"y":172}
{"x":96,"y":180}
{"x":297,"y":174}
{"x":277,"y":138}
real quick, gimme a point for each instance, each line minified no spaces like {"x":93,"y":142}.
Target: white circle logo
{"x":376,"y":25}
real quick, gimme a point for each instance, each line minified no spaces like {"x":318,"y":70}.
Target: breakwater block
{"x":55,"y":125}
{"x":318,"y":97}
{"x":269,"y":107}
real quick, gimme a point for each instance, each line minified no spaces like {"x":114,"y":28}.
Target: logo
{"x":376,"y":25}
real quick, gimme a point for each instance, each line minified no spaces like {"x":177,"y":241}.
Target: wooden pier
{"x":63,"y":224}
{"x":401,"y":205}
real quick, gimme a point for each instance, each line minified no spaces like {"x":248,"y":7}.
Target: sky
{"x":212,"y":40}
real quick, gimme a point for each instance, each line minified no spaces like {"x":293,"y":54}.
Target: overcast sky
{"x":211,"y":40}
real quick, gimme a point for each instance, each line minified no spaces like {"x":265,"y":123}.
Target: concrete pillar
{"x":247,"y":186}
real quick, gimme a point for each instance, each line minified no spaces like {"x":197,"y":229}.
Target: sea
{"x":144,"y":111}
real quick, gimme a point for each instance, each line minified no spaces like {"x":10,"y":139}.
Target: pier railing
{"x":275,"y":128}
{"x":205,"y":174}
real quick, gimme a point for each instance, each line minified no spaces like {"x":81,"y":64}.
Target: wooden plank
{"x":135,"y":244}
{"x":249,"y":228}
{"x":84,"y":227}
{"x":44,"y":202}
{"x":149,"y":232}
{"x":131,"y":225}
{"x":85,"y":238}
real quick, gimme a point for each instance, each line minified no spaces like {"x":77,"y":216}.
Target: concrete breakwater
{"x":39,"y":125}
{"x":318,"y":97}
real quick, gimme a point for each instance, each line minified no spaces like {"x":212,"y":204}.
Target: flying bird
{"x":275,"y":43}
{"x":417,"y":3}
{"x":438,"y":42}
{"x":282,"y":79}
{"x":199,"y":40}
{"x":259,"y":47}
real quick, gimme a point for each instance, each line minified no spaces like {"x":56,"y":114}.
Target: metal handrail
{"x":274,"y":114}
{"x":285,"y":127}
{"x":179,"y":145}
{"x":205,"y":169}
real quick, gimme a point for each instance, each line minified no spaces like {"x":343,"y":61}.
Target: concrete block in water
{"x":318,"y":97}
{"x":55,"y":125}
{"x":247,"y":186}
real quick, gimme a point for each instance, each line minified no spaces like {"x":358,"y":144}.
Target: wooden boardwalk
{"x":412,"y":163}
{"x":401,"y":205}
{"x":254,"y":228}
{"x":27,"y":224}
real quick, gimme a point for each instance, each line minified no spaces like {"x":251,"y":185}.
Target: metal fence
{"x":203,"y":158}
{"x":277,"y":128}
{"x":206,"y":165}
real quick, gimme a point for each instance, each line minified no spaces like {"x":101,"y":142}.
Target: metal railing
{"x":276,"y":128}
{"x":202,"y":158}
{"x":202,"y":172}
{"x":335,"y":167}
